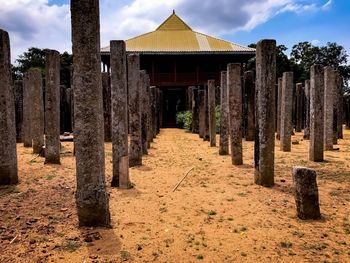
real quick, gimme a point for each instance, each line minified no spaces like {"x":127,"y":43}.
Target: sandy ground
{"x":216,"y":215}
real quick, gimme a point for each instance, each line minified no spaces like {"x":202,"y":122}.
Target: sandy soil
{"x":216,"y":215}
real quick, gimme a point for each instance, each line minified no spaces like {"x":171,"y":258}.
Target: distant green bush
{"x":217,"y":118}
{"x":184,"y":119}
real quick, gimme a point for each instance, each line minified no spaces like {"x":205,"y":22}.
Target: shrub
{"x":184,"y":119}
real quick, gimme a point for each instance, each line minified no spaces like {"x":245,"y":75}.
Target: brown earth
{"x":216,"y":215}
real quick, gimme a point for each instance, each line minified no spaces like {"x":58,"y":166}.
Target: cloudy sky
{"x":46,"y":23}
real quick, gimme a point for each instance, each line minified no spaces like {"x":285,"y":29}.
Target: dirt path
{"x":216,"y":215}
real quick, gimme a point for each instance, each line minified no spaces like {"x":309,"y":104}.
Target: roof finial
{"x":173,"y":11}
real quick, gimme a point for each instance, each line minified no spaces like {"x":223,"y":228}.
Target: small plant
{"x":211,"y":213}
{"x":286,"y":244}
{"x":200,"y":256}
{"x":125,"y":255}
{"x":184,"y":119}
{"x":71,"y":246}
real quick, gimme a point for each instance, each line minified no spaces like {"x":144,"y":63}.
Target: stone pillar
{"x":195,"y":111}
{"x":264,"y":151}
{"x":107,"y":111}
{"x":18,"y":93}
{"x":52,"y":108}
{"x":329,"y":90}
{"x":135,"y":150}
{"x":37,"y":110}
{"x":211,"y":112}
{"x":91,"y":196}
{"x":189,"y":97}
{"x":249,"y":87}
{"x":299,"y":107}
{"x":27,"y":115}
{"x":206,"y":135}
{"x":316,"y":113}
{"x":306,"y":193}
{"x":160,"y":109}
{"x":307,"y":110}
{"x":234,"y":88}
{"x":119,"y":105}
{"x":339,"y":106}
{"x":201,"y":113}
{"x":8,"y":152}
{"x":286,"y":112}
{"x":153,"y":105}
{"x":144,"y":110}
{"x":224,"y":112}
{"x":149,"y":112}
{"x":278,"y":113}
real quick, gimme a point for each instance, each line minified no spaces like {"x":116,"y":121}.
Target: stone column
{"x":52,"y":108}
{"x":278,"y":113}
{"x":201,"y":113}
{"x":135,"y":148}
{"x":286,"y":112}
{"x":27,"y":115}
{"x":37,"y":110}
{"x":119,"y":105}
{"x":206,"y":136}
{"x":339,"y":106}
{"x":18,"y":93}
{"x":195,"y":111}
{"x":8,"y":152}
{"x":91,"y":196}
{"x":234,"y":88}
{"x":299,"y":107}
{"x":149,"y":112}
{"x":316,"y":113}
{"x":153,"y":105}
{"x":107,"y":111}
{"x":264,"y":151}
{"x":211,"y":112}
{"x":306,"y":193}
{"x":224,"y":111}
{"x":329,"y":90}
{"x":307,"y":110}
{"x":144,"y":110}
{"x":249,"y":87}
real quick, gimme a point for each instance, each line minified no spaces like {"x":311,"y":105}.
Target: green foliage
{"x":184,"y":119}
{"x":217,"y":117}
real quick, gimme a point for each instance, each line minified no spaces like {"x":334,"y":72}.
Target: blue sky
{"x":46,"y":23}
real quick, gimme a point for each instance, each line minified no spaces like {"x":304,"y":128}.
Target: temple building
{"x":176,"y":57}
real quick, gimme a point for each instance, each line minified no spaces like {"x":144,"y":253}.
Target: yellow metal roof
{"x":175,"y":36}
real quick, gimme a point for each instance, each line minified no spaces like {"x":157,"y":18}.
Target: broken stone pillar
{"x":37,"y":110}
{"x":286,"y":112}
{"x":144,"y":110}
{"x":135,"y":148}
{"x":224,"y":112}
{"x":339,"y":106}
{"x":307,"y":110}
{"x":234,"y":88}
{"x":211,"y":112}
{"x":316,"y":113}
{"x":119,"y":105}
{"x":329,"y":90}
{"x":52,"y":108}
{"x":201,"y":113}
{"x":92,"y":199}
{"x":249,"y":87}
{"x":27,"y":115}
{"x":306,"y":193}
{"x":264,"y":151}
{"x":18,"y":93}
{"x":206,"y":135}
{"x":107,"y":112}
{"x":8,"y":152}
{"x":195,"y":111}
{"x":278,"y":113}
{"x":299,"y":107}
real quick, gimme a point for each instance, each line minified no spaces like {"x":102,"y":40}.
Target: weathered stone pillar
{"x":160,"y":109}
{"x":211,"y":112}
{"x":154,"y":111}
{"x":201,"y":113}
{"x":307,"y":110}
{"x":195,"y":111}
{"x":329,"y":90}
{"x":264,"y":151}
{"x":119,"y":105}
{"x":286,"y":112}
{"x":149,"y":112}
{"x":206,"y":135}
{"x":279,"y":104}
{"x":189,"y":97}
{"x":8,"y":152}
{"x":107,"y":111}
{"x":37,"y":110}
{"x":234,"y":88}
{"x":144,"y":110}
{"x":52,"y":108}
{"x":299,"y":107}
{"x":27,"y":115}
{"x":306,"y":193}
{"x":224,"y":112}
{"x":316,"y":113}
{"x":249,"y":87}
{"x":135,"y":150}
{"x":339,"y":106}
{"x":18,"y":93}
{"x":91,"y":197}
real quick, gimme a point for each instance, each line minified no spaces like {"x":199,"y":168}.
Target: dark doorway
{"x":174,"y":101}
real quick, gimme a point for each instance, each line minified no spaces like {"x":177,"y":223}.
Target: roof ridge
{"x":180,"y":26}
